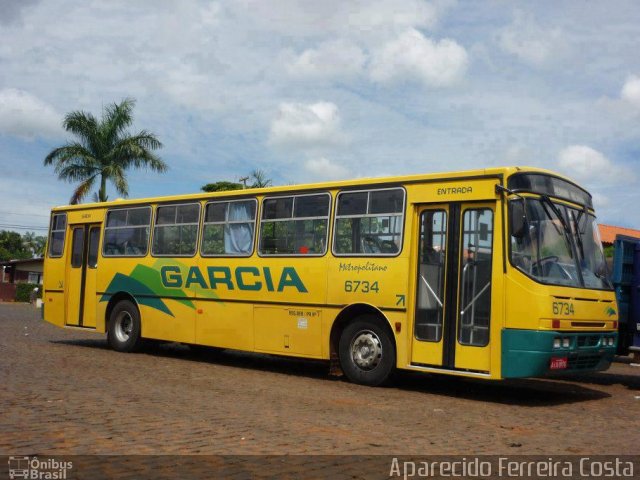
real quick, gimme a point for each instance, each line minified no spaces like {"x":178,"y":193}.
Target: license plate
{"x":558,"y":363}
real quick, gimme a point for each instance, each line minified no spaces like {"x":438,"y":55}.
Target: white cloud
{"x":337,"y":17}
{"x":26,"y":116}
{"x":590,"y":166}
{"x":38,"y":193}
{"x":372,"y":15}
{"x":414,"y":56}
{"x":334,"y":58}
{"x":600,"y":200}
{"x":306,"y":125}
{"x":209,"y":78}
{"x":631,"y":90}
{"x":12,"y":11}
{"x":324,"y":169}
{"x":516,"y":155}
{"x":528,"y":41}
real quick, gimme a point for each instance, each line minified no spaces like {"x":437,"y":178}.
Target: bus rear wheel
{"x":366,"y":351}
{"x":124,"y":332}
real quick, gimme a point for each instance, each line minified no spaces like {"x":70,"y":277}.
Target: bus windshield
{"x":559,"y":245}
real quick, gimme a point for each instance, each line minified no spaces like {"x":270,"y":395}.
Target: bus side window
{"x":229,"y":228}
{"x":175,"y":232}
{"x":369,"y":222}
{"x":56,"y":237}
{"x":126,"y":233}
{"x":295,"y":225}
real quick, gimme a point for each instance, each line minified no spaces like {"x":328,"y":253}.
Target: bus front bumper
{"x":531,"y":353}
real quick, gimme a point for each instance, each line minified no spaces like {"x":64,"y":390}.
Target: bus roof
{"x":363,"y":181}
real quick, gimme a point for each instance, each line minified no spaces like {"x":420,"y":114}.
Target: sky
{"x":310,"y":91}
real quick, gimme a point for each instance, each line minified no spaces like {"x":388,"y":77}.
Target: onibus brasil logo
{"x":37,"y":469}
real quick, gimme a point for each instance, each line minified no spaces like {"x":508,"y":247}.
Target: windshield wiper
{"x":580,"y":242}
{"x":578,"y":234}
{"x":565,"y":228}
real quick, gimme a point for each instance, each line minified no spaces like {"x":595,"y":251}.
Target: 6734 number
{"x":361,"y":286}
{"x":563,"y":308}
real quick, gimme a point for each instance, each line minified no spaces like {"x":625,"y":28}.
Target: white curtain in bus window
{"x":295,"y":225}
{"x":431,"y":273}
{"x":475,"y":279}
{"x":126,"y":233}
{"x":176,"y":230}
{"x":228,"y":228}
{"x":56,"y":238}
{"x":369,"y":223}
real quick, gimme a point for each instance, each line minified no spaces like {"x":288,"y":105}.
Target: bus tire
{"x":124,"y":332}
{"x":366,"y":351}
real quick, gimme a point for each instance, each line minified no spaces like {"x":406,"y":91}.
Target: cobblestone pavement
{"x":65,"y":392}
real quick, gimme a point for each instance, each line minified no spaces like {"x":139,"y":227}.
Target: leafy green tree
{"x":221,"y":186}
{"x":258,"y":180}
{"x":34,"y":244}
{"x":608,"y":251}
{"x":12,"y":246}
{"x":104,"y":151}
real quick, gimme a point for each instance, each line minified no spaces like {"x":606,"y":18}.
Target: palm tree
{"x":34,"y":244}
{"x":104,"y":151}
{"x":260,"y":179}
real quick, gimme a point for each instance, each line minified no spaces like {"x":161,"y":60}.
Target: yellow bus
{"x":495,"y":273}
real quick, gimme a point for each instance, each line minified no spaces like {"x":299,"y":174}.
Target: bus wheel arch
{"x":361,"y":314}
{"x":124,"y":323}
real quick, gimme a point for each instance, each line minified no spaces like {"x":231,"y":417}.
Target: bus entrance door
{"x":453,"y":287}
{"x":81,"y":274}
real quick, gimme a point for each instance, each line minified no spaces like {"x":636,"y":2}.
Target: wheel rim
{"x":124,"y":326}
{"x":366,"y":350}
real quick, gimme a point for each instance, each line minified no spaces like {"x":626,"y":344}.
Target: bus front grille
{"x":583,"y":362}
{"x":588,"y":341}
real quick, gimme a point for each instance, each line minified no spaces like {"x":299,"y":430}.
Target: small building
{"x":608,"y":233}
{"x":22,"y":271}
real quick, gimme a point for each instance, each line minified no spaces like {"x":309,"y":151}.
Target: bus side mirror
{"x":517,"y":218}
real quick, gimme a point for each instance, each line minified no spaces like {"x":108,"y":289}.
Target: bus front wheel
{"x":124,"y":329}
{"x":366,"y":350}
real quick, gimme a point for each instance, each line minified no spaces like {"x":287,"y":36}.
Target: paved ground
{"x":65,"y":392}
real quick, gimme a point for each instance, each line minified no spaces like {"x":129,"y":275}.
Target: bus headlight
{"x":566,"y":342}
{"x":556,"y":343}
{"x":611,"y":341}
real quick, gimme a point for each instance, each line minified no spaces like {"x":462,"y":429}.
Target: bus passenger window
{"x":176,"y":230}
{"x":369,"y":222}
{"x":126,"y":233}
{"x":56,"y":237}
{"x":229,"y":228}
{"x":295,"y":225}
